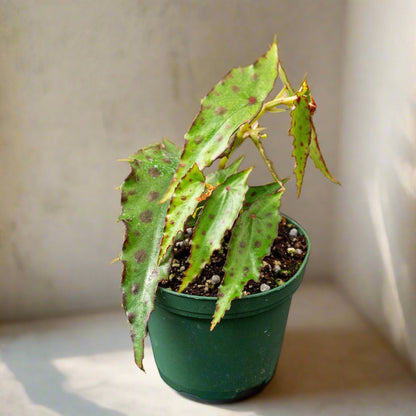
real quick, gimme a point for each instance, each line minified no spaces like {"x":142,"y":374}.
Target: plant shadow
{"x":34,"y":369}
{"x":323,"y":362}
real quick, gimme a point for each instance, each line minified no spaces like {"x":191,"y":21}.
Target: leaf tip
{"x":141,"y":366}
{"x":165,"y":198}
{"x":274,"y":44}
{"x":118,"y":258}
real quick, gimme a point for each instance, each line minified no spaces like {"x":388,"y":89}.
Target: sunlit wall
{"x":375,"y":235}
{"x":83,"y":83}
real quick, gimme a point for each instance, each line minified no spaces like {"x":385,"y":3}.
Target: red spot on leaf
{"x":154,"y":172}
{"x":252,"y":100}
{"x":219,"y":111}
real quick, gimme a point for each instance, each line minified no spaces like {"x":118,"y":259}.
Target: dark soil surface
{"x":287,"y":254}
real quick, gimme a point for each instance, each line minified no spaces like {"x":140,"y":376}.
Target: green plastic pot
{"x":235,"y":360}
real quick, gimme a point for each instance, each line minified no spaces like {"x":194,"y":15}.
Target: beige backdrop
{"x":83,"y":83}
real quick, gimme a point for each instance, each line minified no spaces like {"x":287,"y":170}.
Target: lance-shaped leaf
{"x":151,"y":172}
{"x":301,"y":129}
{"x":218,"y":216}
{"x":235,"y":100}
{"x":251,"y":240}
{"x":285,"y":80}
{"x":301,"y":117}
{"x":255,"y":193}
{"x":219,"y":176}
{"x":182,"y":205}
{"x":316,"y":156}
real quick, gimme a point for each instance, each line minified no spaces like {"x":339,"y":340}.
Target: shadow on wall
{"x":392,"y":207}
{"x":406,"y":166}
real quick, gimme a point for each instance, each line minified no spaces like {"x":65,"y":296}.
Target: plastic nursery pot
{"x":235,"y":360}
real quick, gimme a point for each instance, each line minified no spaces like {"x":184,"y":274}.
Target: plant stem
{"x":239,"y":137}
{"x":223,"y":162}
{"x":288,"y":101}
{"x":269,"y":106}
{"x":268,"y":162}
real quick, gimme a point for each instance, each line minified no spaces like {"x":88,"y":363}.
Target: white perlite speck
{"x":276,"y":268}
{"x":215,"y":279}
{"x":264,"y":287}
{"x":293,"y":232}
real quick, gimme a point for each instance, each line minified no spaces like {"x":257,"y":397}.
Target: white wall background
{"x":375,"y":235}
{"x":83,"y":83}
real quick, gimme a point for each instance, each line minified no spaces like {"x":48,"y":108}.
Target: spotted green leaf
{"x":251,"y":239}
{"x":255,"y":193}
{"x":182,"y":205}
{"x":301,"y":130}
{"x":219,"y":176}
{"x":152,"y":170}
{"x":218,"y":216}
{"x":283,"y":77}
{"x":305,"y":142}
{"x":235,"y":100}
{"x":316,"y":156}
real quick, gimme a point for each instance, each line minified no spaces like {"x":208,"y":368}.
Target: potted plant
{"x":210,"y":263}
